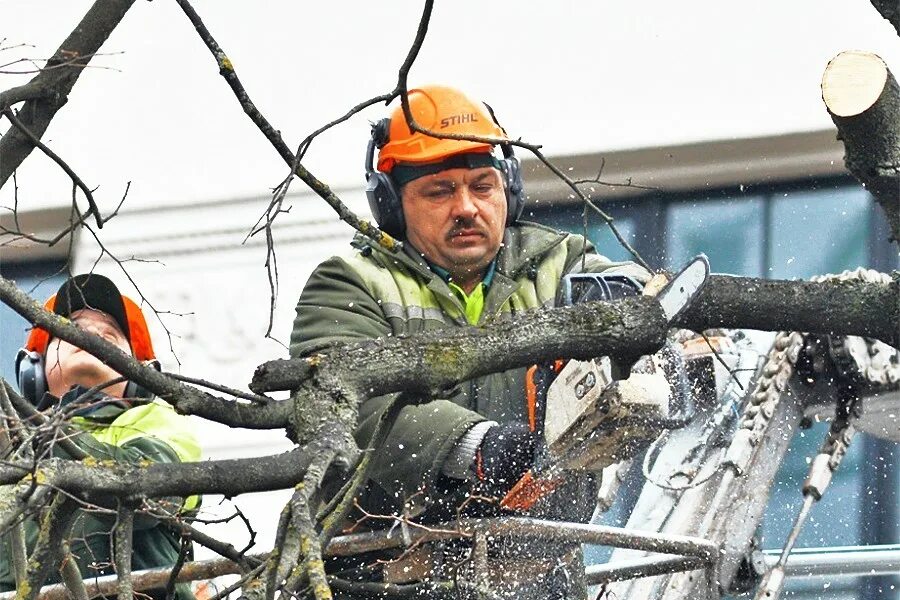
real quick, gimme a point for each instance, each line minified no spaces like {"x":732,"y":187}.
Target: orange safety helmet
{"x":97,"y":292}
{"x":443,"y":110}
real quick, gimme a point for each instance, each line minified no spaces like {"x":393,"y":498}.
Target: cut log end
{"x":853,"y":82}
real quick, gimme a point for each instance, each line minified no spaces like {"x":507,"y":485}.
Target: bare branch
{"x":226,"y":69}
{"x":76,"y":180}
{"x":890,"y":10}
{"x":863,"y":99}
{"x":102,"y":482}
{"x":16,"y":536}
{"x":51,"y":87}
{"x":184,"y":398}
{"x":55,"y":527}
{"x":71,"y":574}
{"x":123,"y":531}
{"x":629,"y":328}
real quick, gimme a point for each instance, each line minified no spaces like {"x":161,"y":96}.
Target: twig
{"x":185,"y":530}
{"x":65,"y":232}
{"x":227,"y":71}
{"x":533,"y":148}
{"x":259,"y":399}
{"x":89,"y":196}
{"x":222,"y":595}
{"x":31,"y":414}
{"x":333,"y":515}
{"x":176,"y":568}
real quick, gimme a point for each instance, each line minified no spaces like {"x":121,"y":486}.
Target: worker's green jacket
{"x":152,"y":431}
{"x":373,"y":293}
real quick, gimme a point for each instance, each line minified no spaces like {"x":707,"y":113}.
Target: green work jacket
{"x":151,"y":431}
{"x":373,"y":293}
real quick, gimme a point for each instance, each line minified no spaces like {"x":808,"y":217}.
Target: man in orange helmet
{"x":119,"y":422}
{"x":467,"y":259}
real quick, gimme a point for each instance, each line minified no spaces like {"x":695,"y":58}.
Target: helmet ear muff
{"x":515,"y":187}
{"x":30,"y":375}
{"x":383,"y":196}
{"x":136,"y":390}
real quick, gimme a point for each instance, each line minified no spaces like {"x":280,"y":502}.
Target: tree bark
{"x":863,"y":100}
{"x":890,"y":10}
{"x":428,"y":363}
{"x":49,"y":90}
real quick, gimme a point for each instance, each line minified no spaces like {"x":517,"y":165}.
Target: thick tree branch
{"x":184,"y":398}
{"x":427,"y":364}
{"x":851,"y":307}
{"x":863,"y":100}
{"x":98,"y":482}
{"x":52,"y":85}
{"x":890,"y":10}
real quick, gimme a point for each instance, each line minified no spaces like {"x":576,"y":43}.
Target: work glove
{"x":506,"y":453}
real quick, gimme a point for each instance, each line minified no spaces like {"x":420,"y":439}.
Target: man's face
{"x":67,"y":365}
{"x":456,"y":219}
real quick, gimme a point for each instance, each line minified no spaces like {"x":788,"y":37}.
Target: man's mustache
{"x":465,"y":226}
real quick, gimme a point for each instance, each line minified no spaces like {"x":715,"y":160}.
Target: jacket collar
{"x":524,"y":245}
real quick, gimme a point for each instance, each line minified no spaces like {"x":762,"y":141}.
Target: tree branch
{"x":54,"y":83}
{"x":890,"y":10}
{"x":55,"y":526}
{"x":428,"y":364}
{"x":226,"y":70}
{"x":124,"y":529}
{"x":76,"y":180}
{"x":863,"y":99}
{"x":184,"y":398}
{"x":101,"y":481}
{"x":71,"y":575}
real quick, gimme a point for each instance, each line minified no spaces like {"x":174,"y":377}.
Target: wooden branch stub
{"x":863,"y":100}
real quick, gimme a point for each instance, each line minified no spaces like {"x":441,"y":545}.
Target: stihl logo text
{"x":458,"y":119}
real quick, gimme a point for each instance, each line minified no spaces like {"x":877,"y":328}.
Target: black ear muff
{"x":512,"y":171}
{"x":384,"y":199}
{"x":30,"y":375}
{"x":515,"y":187}
{"x":135,"y":390}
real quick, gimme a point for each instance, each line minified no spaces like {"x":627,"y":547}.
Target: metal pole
{"x":846,"y":561}
{"x":641,"y":567}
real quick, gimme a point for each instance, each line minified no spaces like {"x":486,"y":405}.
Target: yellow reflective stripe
{"x":157,"y":420}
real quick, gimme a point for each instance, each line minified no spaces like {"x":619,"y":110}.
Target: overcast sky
{"x":573,"y":76}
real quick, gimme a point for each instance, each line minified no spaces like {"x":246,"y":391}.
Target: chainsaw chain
{"x":859,"y":359}
{"x":856,"y":359}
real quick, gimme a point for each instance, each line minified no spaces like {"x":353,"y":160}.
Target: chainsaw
{"x":595,"y":413}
